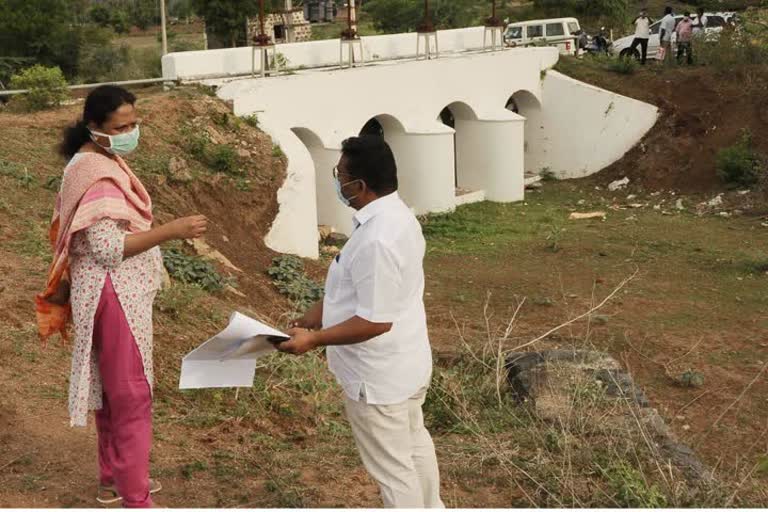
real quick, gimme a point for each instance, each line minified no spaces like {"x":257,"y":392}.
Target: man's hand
{"x":301,"y":342}
{"x":312,"y":319}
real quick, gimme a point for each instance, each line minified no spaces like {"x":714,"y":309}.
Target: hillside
{"x":702,"y":110}
{"x":697,"y":303}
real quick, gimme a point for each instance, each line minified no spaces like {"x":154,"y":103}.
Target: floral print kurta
{"x":95,"y":252}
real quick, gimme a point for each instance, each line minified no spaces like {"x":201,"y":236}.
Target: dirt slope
{"x":701,"y":111}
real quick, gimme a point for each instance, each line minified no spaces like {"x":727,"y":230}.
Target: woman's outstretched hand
{"x":185,"y":228}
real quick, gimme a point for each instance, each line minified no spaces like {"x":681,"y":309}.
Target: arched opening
{"x":423,"y":159}
{"x":526,"y":104}
{"x":332,"y":215}
{"x":523,"y":102}
{"x":459,"y":116}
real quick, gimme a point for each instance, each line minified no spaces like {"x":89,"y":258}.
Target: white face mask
{"x":120,"y":144}
{"x":339,"y":187}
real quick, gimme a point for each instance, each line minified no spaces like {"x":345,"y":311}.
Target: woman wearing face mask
{"x":105,"y":273}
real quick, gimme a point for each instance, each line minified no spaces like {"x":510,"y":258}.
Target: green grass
{"x":33,"y":240}
{"x":694,"y":264}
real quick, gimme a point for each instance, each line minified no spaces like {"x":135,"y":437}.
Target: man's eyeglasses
{"x":336,"y":172}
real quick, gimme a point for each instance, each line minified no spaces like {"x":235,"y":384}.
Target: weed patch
{"x":193,"y":270}
{"x":287,"y":273}
{"x":740,"y":165}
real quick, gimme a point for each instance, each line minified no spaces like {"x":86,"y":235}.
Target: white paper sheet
{"x":212,"y":365}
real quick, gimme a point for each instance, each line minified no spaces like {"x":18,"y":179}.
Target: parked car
{"x":559,"y":32}
{"x":715,"y":23}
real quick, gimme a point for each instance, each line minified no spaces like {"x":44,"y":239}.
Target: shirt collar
{"x":374,"y":208}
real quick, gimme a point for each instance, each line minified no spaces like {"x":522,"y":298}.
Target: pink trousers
{"x":124,"y":423}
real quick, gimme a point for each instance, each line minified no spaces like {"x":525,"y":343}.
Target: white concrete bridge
{"x":508,"y":113}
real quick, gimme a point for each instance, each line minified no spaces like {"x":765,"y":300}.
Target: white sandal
{"x":108,"y":493}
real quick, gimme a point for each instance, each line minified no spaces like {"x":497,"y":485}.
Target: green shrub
{"x":101,"y":63}
{"x":193,"y":270}
{"x":185,"y":45}
{"x":252,"y":120}
{"x":745,"y":46}
{"x":9,"y":66}
{"x":740,"y":164}
{"x":144,"y":63}
{"x":287,"y":273}
{"x":631,"y":489}
{"x":218,"y":157}
{"x":47,"y":87}
{"x":223,"y":158}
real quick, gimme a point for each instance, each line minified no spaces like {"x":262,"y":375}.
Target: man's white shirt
{"x":668,"y":25}
{"x":379,"y":276}
{"x":642,"y":28}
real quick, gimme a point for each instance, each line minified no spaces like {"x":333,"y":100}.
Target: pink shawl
{"x":94,"y":187}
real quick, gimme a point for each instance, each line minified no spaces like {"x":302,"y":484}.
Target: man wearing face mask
{"x":373,"y":323}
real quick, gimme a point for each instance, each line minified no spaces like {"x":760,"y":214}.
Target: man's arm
{"x":375,"y":274}
{"x":353,"y":331}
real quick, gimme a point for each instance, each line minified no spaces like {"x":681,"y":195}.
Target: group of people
{"x":106,"y":271}
{"x":686,"y":29}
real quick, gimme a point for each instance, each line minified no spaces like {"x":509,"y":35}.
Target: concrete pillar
{"x":425,"y":169}
{"x":489,"y":157}
{"x":330,"y":210}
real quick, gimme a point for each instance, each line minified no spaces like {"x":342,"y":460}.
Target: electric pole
{"x":162,"y":27}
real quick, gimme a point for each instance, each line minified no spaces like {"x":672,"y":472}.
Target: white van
{"x":559,"y":32}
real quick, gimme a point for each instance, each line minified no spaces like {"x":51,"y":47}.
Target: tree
{"x":144,"y":13}
{"x":40,"y":30}
{"x":100,"y":15}
{"x":609,"y":9}
{"x":181,"y":9}
{"x":392,"y":16}
{"x":226,"y":18}
{"x":120,"y":21}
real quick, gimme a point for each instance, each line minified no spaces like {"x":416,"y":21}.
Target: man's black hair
{"x":668,"y":10}
{"x":370,"y":159}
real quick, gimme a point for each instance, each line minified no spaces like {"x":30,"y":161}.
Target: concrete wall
{"x":578,"y":129}
{"x":237,"y":61}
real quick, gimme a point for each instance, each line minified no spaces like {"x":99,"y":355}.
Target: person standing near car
{"x":684,"y":31}
{"x":642,"y":34}
{"x":666,"y":30}
{"x":700,"y":23}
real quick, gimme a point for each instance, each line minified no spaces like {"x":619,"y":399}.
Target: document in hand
{"x":229,"y":358}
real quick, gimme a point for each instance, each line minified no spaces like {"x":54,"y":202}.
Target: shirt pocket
{"x":338,"y":280}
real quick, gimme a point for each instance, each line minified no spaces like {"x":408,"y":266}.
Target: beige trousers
{"x":397,"y":451}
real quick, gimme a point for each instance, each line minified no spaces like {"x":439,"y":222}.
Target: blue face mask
{"x":120,"y":144}
{"x":339,"y":187}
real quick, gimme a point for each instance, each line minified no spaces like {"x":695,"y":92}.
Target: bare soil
{"x":701,"y":112}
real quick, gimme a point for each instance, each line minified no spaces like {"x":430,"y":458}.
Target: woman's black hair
{"x":99,"y":105}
